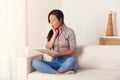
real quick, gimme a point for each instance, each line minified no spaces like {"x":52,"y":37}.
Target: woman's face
{"x":55,"y":22}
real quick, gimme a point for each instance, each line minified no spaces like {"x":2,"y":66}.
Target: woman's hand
{"x":50,"y":43}
{"x":52,"y":54}
{"x":55,"y":31}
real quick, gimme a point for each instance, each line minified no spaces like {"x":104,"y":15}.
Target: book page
{"x":46,"y":51}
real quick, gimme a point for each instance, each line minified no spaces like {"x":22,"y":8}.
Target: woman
{"x":62,"y":40}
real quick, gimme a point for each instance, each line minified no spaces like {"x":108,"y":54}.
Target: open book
{"x":46,"y":51}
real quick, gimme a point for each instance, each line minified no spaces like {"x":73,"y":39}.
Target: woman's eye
{"x":52,"y":21}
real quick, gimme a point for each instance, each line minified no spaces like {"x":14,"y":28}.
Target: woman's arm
{"x":50,"y":43}
{"x":66,"y":53}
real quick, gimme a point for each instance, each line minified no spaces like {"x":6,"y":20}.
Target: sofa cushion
{"x":99,"y":56}
{"x":82,"y":74}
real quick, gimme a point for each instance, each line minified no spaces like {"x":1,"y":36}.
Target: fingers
{"x":51,"y":54}
{"x":55,"y":31}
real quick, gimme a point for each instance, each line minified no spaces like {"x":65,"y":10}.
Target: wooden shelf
{"x":109,"y":40}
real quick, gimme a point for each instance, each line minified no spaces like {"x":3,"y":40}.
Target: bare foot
{"x":57,"y":73}
{"x":69,"y":72}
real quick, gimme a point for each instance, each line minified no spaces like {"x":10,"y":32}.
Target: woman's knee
{"x":71,"y":60}
{"x":35,"y":62}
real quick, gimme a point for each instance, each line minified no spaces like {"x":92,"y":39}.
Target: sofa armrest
{"x":24,"y":65}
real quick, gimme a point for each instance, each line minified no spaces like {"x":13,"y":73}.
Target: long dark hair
{"x":59,"y":14}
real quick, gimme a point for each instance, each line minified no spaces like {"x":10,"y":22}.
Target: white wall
{"x":89,"y":18}
{"x":37,"y":23}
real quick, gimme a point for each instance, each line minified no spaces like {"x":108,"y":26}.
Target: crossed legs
{"x":68,"y":67}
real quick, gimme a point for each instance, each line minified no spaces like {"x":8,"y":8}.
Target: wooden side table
{"x":109,"y":40}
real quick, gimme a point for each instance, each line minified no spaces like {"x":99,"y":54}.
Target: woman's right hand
{"x":55,"y":31}
{"x":52,"y":40}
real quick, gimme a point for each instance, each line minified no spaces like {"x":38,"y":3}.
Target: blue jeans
{"x":58,"y":64}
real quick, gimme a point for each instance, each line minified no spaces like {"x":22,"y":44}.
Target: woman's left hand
{"x":52,"y":54}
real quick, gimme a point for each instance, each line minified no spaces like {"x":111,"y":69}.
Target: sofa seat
{"x":82,"y":74}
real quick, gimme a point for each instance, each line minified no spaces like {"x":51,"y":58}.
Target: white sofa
{"x":96,"y":62}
